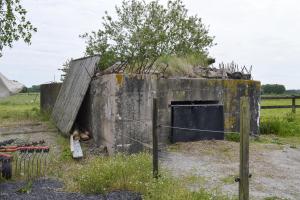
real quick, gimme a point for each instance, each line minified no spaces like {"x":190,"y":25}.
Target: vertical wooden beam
{"x":244,"y":148}
{"x":154,"y":139}
{"x":293,"y":104}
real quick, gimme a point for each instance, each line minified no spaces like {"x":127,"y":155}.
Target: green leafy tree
{"x":144,"y":32}
{"x":13,"y":24}
{"x":65,"y":69}
{"x":273,"y":89}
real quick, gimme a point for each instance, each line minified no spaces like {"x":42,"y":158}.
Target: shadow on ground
{"x":52,"y":189}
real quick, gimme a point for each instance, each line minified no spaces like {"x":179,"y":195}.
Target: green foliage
{"x":65,"y":69}
{"x":66,"y":154}
{"x":281,"y":122}
{"x":274,"y":198}
{"x":27,"y":188}
{"x":284,"y":126}
{"x":290,"y":117}
{"x":144,"y":32}
{"x":273,"y":89}
{"x":32,"y":89}
{"x":134,"y":173}
{"x":229,"y":179}
{"x":234,"y":137}
{"x":13,"y":24}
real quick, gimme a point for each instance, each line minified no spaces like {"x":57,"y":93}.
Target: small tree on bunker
{"x":144,"y":32}
{"x":65,"y":69}
{"x":13,"y":24}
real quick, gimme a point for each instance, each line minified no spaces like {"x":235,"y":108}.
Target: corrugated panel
{"x":72,"y":92}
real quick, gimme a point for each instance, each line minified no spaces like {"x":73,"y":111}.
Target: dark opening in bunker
{"x":205,"y":119}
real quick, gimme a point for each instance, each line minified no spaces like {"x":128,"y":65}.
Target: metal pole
{"x":154,"y":139}
{"x":244,"y":148}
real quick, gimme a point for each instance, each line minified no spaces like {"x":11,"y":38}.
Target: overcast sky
{"x":264,"y":34}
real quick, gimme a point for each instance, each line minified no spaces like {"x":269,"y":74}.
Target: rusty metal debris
{"x":225,"y":71}
{"x":29,"y":159}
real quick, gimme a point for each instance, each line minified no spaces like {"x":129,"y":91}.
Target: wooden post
{"x":154,"y":139}
{"x":293,"y":104}
{"x":244,"y":148}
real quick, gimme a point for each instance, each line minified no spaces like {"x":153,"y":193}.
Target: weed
{"x":290,"y":117}
{"x":66,"y":154}
{"x":276,"y":141}
{"x":280,"y":127}
{"x":234,"y":137}
{"x":229,"y":179}
{"x":134,"y":172}
{"x":274,"y":198}
{"x":27,"y":188}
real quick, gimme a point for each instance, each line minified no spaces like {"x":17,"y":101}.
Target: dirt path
{"x":275,"y":168}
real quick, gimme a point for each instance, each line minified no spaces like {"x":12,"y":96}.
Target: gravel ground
{"x":52,"y":190}
{"x":275,"y":168}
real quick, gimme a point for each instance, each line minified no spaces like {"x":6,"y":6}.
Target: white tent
{"x":9,"y":87}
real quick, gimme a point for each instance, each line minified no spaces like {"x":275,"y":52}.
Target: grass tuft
{"x":134,"y":173}
{"x":234,"y":137}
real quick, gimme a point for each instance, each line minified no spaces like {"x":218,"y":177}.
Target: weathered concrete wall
{"x":49,"y":93}
{"x":119,"y":110}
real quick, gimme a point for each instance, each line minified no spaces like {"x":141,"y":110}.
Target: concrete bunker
{"x":117,"y":108}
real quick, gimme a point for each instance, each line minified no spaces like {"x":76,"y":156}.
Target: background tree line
{"x":273,"y":89}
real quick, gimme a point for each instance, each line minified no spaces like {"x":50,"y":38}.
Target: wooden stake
{"x":154,"y":139}
{"x":293,"y":104}
{"x":244,"y":148}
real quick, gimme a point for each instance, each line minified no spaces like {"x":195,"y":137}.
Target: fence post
{"x":294,"y":104}
{"x":244,"y":148}
{"x":154,"y":139}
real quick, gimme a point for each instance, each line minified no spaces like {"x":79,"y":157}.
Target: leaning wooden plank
{"x":77,"y":153}
{"x":71,"y":143}
{"x":72,"y":92}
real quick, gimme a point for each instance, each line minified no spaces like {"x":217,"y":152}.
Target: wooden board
{"x":72,"y":92}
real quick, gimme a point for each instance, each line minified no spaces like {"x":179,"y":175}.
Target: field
{"x":196,"y":170}
{"x":20,"y":107}
{"x":269,"y":113}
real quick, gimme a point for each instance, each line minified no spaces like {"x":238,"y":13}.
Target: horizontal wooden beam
{"x":280,"y":97}
{"x":276,"y":107}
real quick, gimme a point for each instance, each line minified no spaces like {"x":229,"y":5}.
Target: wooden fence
{"x":293,"y":105}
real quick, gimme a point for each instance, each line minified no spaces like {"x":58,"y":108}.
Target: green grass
{"x":23,"y":106}
{"x":280,"y":122}
{"x":229,"y":179}
{"x":234,"y":137}
{"x":134,"y":173}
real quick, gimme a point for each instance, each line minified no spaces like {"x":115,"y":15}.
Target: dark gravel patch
{"x":51,"y":190}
